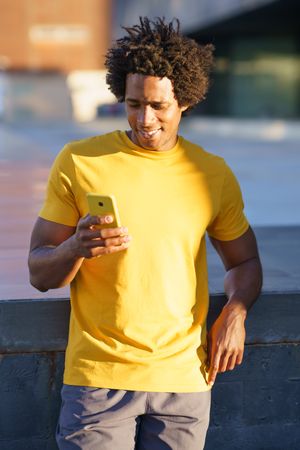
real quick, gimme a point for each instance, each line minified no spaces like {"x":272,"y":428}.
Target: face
{"x":153,"y":112}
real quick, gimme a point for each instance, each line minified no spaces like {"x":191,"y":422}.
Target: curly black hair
{"x":159,"y":49}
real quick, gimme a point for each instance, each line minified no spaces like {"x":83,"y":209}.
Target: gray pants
{"x":109,"y":419}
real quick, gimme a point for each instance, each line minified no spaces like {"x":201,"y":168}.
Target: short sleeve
{"x":60,"y":204}
{"x":230,"y":221}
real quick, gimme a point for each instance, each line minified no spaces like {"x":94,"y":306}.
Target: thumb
{"x":214,"y":361}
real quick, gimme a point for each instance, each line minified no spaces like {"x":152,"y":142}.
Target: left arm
{"x":242,"y":283}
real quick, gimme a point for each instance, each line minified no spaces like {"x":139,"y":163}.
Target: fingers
{"x":90,"y":221}
{"x":93,"y":241}
{"x":213,"y":360}
{"x":223,"y":362}
{"x":229,"y":361}
{"x":213,"y":368}
{"x":107,"y":233}
{"x":105,"y":237}
{"x":99,"y":241}
{"x":107,"y":250}
{"x":226,"y":340}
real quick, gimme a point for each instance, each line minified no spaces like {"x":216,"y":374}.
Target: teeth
{"x":149,"y":134}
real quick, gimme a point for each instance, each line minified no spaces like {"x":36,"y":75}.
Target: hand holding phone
{"x":112,"y":238}
{"x":103,"y":205}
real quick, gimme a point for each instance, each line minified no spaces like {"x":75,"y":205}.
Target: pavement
{"x":265,"y":156}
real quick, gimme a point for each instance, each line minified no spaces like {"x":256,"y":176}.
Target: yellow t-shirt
{"x":138,"y":316}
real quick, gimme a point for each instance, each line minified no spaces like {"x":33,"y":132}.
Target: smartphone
{"x":100,"y":205}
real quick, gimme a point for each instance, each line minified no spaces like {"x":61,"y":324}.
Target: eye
{"x":157,"y":106}
{"x":133,"y":105}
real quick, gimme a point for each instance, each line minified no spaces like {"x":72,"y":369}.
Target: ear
{"x":183,"y":108}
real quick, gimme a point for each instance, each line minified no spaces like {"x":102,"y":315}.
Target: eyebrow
{"x":156,"y":102}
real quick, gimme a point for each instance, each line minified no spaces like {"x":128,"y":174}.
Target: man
{"x":136,"y":372}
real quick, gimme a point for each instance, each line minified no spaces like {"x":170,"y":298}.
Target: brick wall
{"x":60,"y":35}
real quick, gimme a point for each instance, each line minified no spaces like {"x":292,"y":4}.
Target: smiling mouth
{"x":149,"y":134}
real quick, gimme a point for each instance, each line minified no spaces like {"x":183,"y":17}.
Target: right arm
{"x":57,"y":251}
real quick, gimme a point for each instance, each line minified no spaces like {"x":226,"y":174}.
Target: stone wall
{"x":255,"y":407}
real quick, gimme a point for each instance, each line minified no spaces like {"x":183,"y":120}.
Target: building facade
{"x":60,"y":35}
{"x":257,"y":51}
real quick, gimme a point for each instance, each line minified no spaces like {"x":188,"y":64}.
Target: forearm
{"x":57,"y":251}
{"x":53,"y":267}
{"x":242,"y":285}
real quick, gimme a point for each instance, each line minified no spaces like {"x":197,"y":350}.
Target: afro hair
{"x":157,"y":48}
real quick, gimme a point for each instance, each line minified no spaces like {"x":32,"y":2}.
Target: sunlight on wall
{"x":88,"y":91}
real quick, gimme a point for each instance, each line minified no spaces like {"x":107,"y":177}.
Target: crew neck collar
{"x":132,"y":148}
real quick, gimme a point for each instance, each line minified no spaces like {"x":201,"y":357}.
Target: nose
{"x":146,"y":115}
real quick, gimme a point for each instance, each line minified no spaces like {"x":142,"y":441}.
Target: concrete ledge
{"x":36,"y":325}
{"x":273,"y":319}
{"x":264,"y":129}
{"x":254,"y":407}
{"x":42,"y":324}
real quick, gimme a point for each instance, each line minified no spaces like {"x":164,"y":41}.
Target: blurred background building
{"x":257,"y":43}
{"x":52,"y":54}
{"x":52,"y":57}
